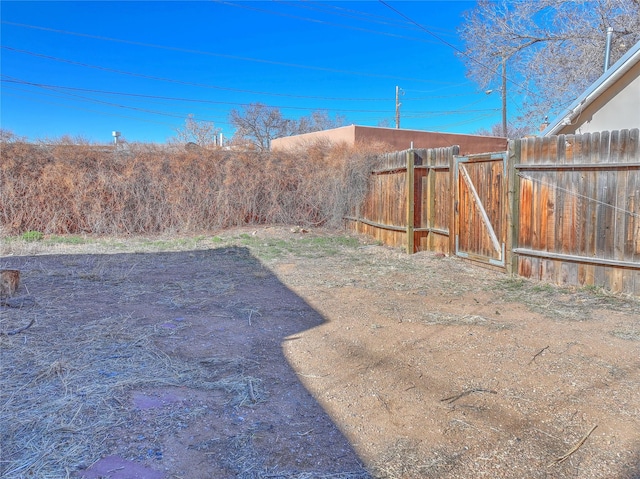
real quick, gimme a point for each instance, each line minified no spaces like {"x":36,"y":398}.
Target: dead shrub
{"x":64,"y":188}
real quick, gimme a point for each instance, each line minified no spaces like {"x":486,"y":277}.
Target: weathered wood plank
{"x":602,"y":212}
{"x":410,"y":201}
{"x":576,"y":258}
{"x":576,"y":195}
{"x":578,"y":166}
{"x":631,"y":201}
{"x":431,"y":197}
{"x":591,"y":194}
{"x":619,"y":180}
{"x":478,"y":208}
{"x":581,"y":149}
{"x":512,"y":210}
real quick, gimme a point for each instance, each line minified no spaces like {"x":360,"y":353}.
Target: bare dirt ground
{"x":273,"y":353}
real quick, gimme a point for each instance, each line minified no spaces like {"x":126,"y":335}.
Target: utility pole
{"x":398,"y":107}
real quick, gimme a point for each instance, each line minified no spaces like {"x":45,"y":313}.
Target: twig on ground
{"x":561,"y":459}
{"x":251,"y":311}
{"x":19,"y":330}
{"x":466,"y":424}
{"x":384,"y":403}
{"x":312,"y":376}
{"x":538,"y":354}
{"x":452,"y":399}
{"x":545,"y":433}
{"x":252,"y":393}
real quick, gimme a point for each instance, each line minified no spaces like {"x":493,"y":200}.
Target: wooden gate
{"x":479,"y":219}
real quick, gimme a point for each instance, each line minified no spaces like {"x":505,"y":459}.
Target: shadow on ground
{"x":160,"y":365}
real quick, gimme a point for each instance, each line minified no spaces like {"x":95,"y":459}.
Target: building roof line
{"x":617,"y":70}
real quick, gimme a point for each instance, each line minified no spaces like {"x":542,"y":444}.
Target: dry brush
{"x":60,"y":188}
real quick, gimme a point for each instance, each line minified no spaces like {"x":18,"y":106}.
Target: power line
{"x":318,"y":21}
{"x":160,"y":97}
{"x":63,"y":105}
{"x":421,"y":27}
{"x":102,"y":102}
{"x":358,"y":15}
{"x":182,"y":82}
{"x":453,"y":85}
{"x":216,"y":122}
{"x":452,"y":46}
{"x":196,"y":100}
{"x":464,"y":122}
{"x":57,"y":89}
{"x":346,"y":12}
{"x":220,"y":55}
{"x":436,"y":97}
{"x":238,"y":90}
{"x":431,"y":114}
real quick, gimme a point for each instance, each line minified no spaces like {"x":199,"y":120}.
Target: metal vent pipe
{"x":607,"y":48}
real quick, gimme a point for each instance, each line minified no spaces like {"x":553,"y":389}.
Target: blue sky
{"x":88,"y":68}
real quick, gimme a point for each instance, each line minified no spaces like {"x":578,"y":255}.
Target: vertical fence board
{"x":631,"y":227}
{"x":410,"y":201}
{"x":620,"y":179}
{"x":512,"y":188}
{"x":592,"y":207}
{"x":581,"y":151}
{"x":430,"y":198}
{"x":591,"y":198}
{"x":603,"y":215}
{"x":571,"y":214}
{"x":528,"y":213}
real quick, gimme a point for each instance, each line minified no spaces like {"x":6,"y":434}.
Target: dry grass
{"x":63,"y":393}
{"x":405,"y":460}
{"x":67,"y":383}
{"x":565,"y":304}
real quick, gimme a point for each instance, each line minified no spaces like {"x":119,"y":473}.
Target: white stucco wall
{"x":616,"y":109}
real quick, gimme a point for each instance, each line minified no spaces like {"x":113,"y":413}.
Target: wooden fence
{"x":421,"y":223}
{"x":564,"y":209}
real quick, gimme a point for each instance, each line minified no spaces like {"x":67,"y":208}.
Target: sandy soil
{"x":276,"y":353}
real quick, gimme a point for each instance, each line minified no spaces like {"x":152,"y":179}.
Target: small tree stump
{"x":9,"y":282}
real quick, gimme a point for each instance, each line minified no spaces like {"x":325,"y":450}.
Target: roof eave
{"x":622,"y":66}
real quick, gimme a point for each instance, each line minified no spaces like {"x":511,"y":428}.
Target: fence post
{"x":431,"y":196}
{"x":512,"y":188}
{"x":453,"y":189}
{"x":410,"y":200}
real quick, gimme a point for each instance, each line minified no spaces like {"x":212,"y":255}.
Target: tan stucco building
{"x":397,"y":139}
{"x":611,"y":103}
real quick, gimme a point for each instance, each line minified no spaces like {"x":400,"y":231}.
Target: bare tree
{"x":258,"y":124}
{"x":317,"y":121}
{"x":8,"y":136}
{"x":552,"y":50}
{"x":513,"y":130}
{"x":202,"y":133}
